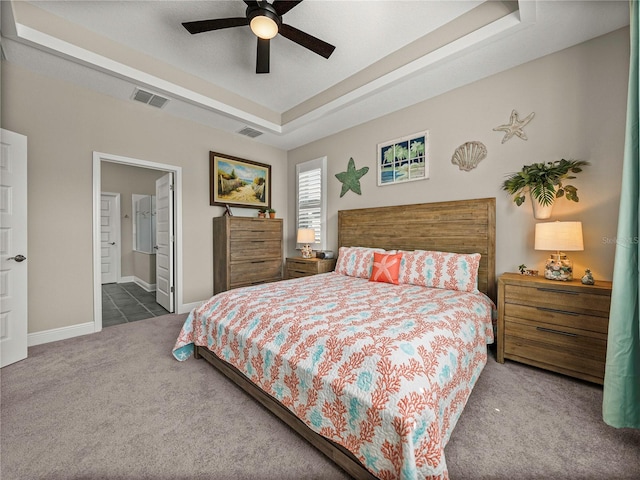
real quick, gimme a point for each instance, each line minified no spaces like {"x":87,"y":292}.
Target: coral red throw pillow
{"x":386,"y":267}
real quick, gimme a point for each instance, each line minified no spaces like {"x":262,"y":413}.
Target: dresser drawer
{"x":538,"y":346}
{"x":556,"y":316}
{"x":255,"y":271}
{"x":260,"y":249}
{"x":255,"y":229}
{"x":575,"y":341}
{"x":304,"y":267}
{"x":552,"y":297}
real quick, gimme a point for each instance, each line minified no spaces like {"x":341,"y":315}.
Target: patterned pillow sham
{"x":451,"y":271}
{"x":386,"y":267}
{"x":356,"y":261}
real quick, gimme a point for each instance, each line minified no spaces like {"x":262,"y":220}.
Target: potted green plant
{"x":544,"y":182}
{"x":272,"y":213}
{"x":262,"y":213}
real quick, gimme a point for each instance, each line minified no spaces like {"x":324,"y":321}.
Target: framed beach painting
{"x":404,"y":159}
{"x":238,"y":182}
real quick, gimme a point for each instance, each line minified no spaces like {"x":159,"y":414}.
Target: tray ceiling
{"x":389,"y":54}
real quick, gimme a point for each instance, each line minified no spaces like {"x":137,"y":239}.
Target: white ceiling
{"x":389,"y":54}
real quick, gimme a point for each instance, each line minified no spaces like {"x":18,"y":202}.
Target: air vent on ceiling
{"x":149,"y":98}
{"x":250,"y":132}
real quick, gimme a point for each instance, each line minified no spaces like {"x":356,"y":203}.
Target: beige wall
{"x":65,"y":124}
{"x":579,"y":99}
{"x":144,"y":267}
{"x":128,"y":180}
{"x":578,"y":95}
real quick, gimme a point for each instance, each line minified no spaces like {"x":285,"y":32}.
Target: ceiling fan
{"x":265,"y":21}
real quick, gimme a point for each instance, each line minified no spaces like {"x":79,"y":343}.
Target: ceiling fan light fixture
{"x":264,"y":23}
{"x":264,"y":27}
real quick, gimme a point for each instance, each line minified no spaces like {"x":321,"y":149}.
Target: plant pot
{"x":540,"y":211}
{"x":272,"y":215}
{"x":262,"y":215}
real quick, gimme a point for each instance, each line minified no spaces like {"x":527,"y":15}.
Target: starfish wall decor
{"x":351,"y":178}
{"x":515,"y":126}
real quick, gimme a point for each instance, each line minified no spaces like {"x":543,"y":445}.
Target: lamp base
{"x":306,"y":251}
{"x":558,"y":267}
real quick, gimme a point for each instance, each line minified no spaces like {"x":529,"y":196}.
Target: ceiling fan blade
{"x":200,"y":26}
{"x":314,"y":44}
{"x":251,"y":3}
{"x":262,"y":56}
{"x":283,"y":6}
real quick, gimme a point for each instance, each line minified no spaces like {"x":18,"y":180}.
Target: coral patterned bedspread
{"x":384,"y":370}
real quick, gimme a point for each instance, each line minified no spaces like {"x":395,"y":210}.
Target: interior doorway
{"x":172,"y":285}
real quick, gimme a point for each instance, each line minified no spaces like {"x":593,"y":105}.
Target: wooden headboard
{"x":464,"y":226}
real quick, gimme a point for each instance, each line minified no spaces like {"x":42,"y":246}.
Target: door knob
{"x":18,"y":258}
{"x":112,"y":243}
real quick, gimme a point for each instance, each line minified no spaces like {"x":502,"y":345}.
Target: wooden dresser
{"x":246,"y":251}
{"x":304,"y":267}
{"x":559,"y":326}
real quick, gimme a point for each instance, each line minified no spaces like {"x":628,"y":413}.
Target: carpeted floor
{"x":116,"y":405}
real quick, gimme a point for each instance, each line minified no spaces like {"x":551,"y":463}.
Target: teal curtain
{"x":621,"y":399}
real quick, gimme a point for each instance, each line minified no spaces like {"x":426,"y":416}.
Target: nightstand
{"x":559,"y":326}
{"x":303,"y":267}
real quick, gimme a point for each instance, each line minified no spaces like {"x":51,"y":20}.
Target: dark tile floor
{"x":128,"y":302}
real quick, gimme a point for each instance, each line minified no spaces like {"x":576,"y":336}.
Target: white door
{"x":164,"y":241}
{"x":110,"y":237}
{"x":13,"y":247}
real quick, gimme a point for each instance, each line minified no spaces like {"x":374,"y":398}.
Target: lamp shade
{"x":559,"y":236}
{"x":306,"y":235}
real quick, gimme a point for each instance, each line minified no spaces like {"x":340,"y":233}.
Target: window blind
{"x":310,"y":200}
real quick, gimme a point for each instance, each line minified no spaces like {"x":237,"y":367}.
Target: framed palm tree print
{"x":404,"y":159}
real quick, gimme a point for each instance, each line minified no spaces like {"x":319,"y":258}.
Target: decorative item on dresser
{"x":543,"y":181}
{"x":246,"y":251}
{"x":304,"y":267}
{"x":306,"y":236}
{"x":552,"y":325}
{"x":559,"y":236}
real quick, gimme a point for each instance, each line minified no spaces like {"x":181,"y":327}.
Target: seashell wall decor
{"x":468,"y":155}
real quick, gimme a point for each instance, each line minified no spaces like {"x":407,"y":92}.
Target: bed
{"x":373,"y":374}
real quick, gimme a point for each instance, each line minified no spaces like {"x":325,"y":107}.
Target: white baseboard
{"x":187,"y":307}
{"x":128,"y":279}
{"x":149,"y":287}
{"x":55,"y":334}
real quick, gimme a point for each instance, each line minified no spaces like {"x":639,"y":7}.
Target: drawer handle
{"x":554,"y":310}
{"x":553,"y":290}
{"x":550,"y":330}
{"x":258,"y":261}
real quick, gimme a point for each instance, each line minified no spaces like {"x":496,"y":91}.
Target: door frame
{"x":98,"y":158}
{"x":118,"y":266}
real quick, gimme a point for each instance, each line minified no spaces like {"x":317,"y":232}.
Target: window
{"x":311,"y":188}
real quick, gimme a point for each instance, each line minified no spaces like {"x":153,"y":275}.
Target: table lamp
{"x":561,"y":237}
{"x":306,"y":236}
